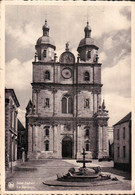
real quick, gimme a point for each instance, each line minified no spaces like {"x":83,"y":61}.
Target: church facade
{"x":66,"y":114}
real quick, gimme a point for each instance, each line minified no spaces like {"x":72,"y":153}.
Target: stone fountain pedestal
{"x":85,"y":176}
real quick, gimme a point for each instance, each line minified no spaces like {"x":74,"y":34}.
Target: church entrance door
{"x":67,"y":147}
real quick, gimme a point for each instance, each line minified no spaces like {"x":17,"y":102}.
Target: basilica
{"x":66,"y":113}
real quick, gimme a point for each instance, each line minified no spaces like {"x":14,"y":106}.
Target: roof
{"x":46,"y":40}
{"x":127,"y":118}
{"x":87,"y":42}
{"x":20,"y":126}
{"x":29,"y":105}
{"x":11,"y":91}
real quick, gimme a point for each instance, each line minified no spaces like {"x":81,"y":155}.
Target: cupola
{"x":87,"y":49}
{"x":45,"y":45}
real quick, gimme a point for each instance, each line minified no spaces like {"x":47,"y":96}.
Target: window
{"x":47,"y":145}
{"x":47,"y":104}
{"x":46,"y":130}
{"x":118,"y":152}
{"x":118,"y":134}
{"x":86,"y":103}
{"x":124,"y":132}
{"x":89,"y":54}
{"x":47,"y":75}
{"x":87,"y":132}
{"x":124,"y":151}
{"x":87,"y":146}
{"x":67,"y":104}
{"x":86,"y":76}
{"x":44,"y":53}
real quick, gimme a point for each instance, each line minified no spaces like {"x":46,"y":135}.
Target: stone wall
{"x":121,"y":142}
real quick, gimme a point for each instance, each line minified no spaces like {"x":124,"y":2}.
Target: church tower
{"x":66,"y":114}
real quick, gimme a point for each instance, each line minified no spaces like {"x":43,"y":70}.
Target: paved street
{"x":45,"y":170}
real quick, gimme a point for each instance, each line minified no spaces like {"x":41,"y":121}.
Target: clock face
{"x":66,"y":73}
{"x":67,"y":57}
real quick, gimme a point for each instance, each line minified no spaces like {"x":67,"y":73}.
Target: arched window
{"x":47,"y":145}
{"x":89,"y":54}
{"x":86,"y":76}
{"x":87,"y":132}
{"x":46,"y":130}
{"x":67,"y":104}
{"x":44,"y":53}
{"x":64,"y":105}
{"x":47,"y":75}
{"x":87,"y":145}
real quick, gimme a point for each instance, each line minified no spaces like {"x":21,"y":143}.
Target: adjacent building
{"x":110,"y":142}
{"x":11,"y":106}
{"x":21,"y":141}
{"x":66,"y":114}
{"x":122,"y":143}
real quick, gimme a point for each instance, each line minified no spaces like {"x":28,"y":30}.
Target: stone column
{"x":39,"y":138}
{"x":79,"y":143}
{"x":29,"y":138}
{"x":98,"y":100}
{"x":35,"y":99}
{"x":95,"y":102}
{"x":35,"y":138}
{"x":105,"y":140}
{"x":75,"y":132}
{"x":54,"y":107}
{"x":55,"y":146}
{"x":100,"y":141}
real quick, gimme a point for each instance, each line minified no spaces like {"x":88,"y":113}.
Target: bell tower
{"x":45,"y":46}
{"x":87,"y":48}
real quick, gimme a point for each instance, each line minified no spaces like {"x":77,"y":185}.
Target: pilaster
{"x":100,"y":146}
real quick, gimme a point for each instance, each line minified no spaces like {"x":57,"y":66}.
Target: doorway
{"x":67,"y":147}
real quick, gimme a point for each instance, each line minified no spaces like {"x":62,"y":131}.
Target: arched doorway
{"x":67,"y":147}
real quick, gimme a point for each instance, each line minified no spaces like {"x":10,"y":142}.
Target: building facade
{"x":110,"y":142}
{"x":122,"y":143}
{"x":21,"y":140}
{"x":66,"y":113}
{"x":11,"y":106}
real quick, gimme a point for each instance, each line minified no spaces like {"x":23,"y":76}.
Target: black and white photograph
{"x":67,"y":102}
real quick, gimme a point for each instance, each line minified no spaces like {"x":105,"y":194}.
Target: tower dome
{"x":45,"y":45}
{"x":87,"y":48}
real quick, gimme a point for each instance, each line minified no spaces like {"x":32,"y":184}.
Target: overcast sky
{"x":111,"y":29}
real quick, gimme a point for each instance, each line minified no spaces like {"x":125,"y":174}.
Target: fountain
{"x":81,"y":177}
{"x":83,"y":174}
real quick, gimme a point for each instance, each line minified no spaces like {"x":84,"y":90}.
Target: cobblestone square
{"x":31,"y":175}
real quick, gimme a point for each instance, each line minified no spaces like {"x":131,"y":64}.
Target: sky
{"x":111,"y":30}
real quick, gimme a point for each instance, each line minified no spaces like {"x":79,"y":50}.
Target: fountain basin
{"x":82,"y":175}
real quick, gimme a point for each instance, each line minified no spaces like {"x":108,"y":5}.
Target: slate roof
{"x":127,"y":118}
{"x":12,"y":92}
